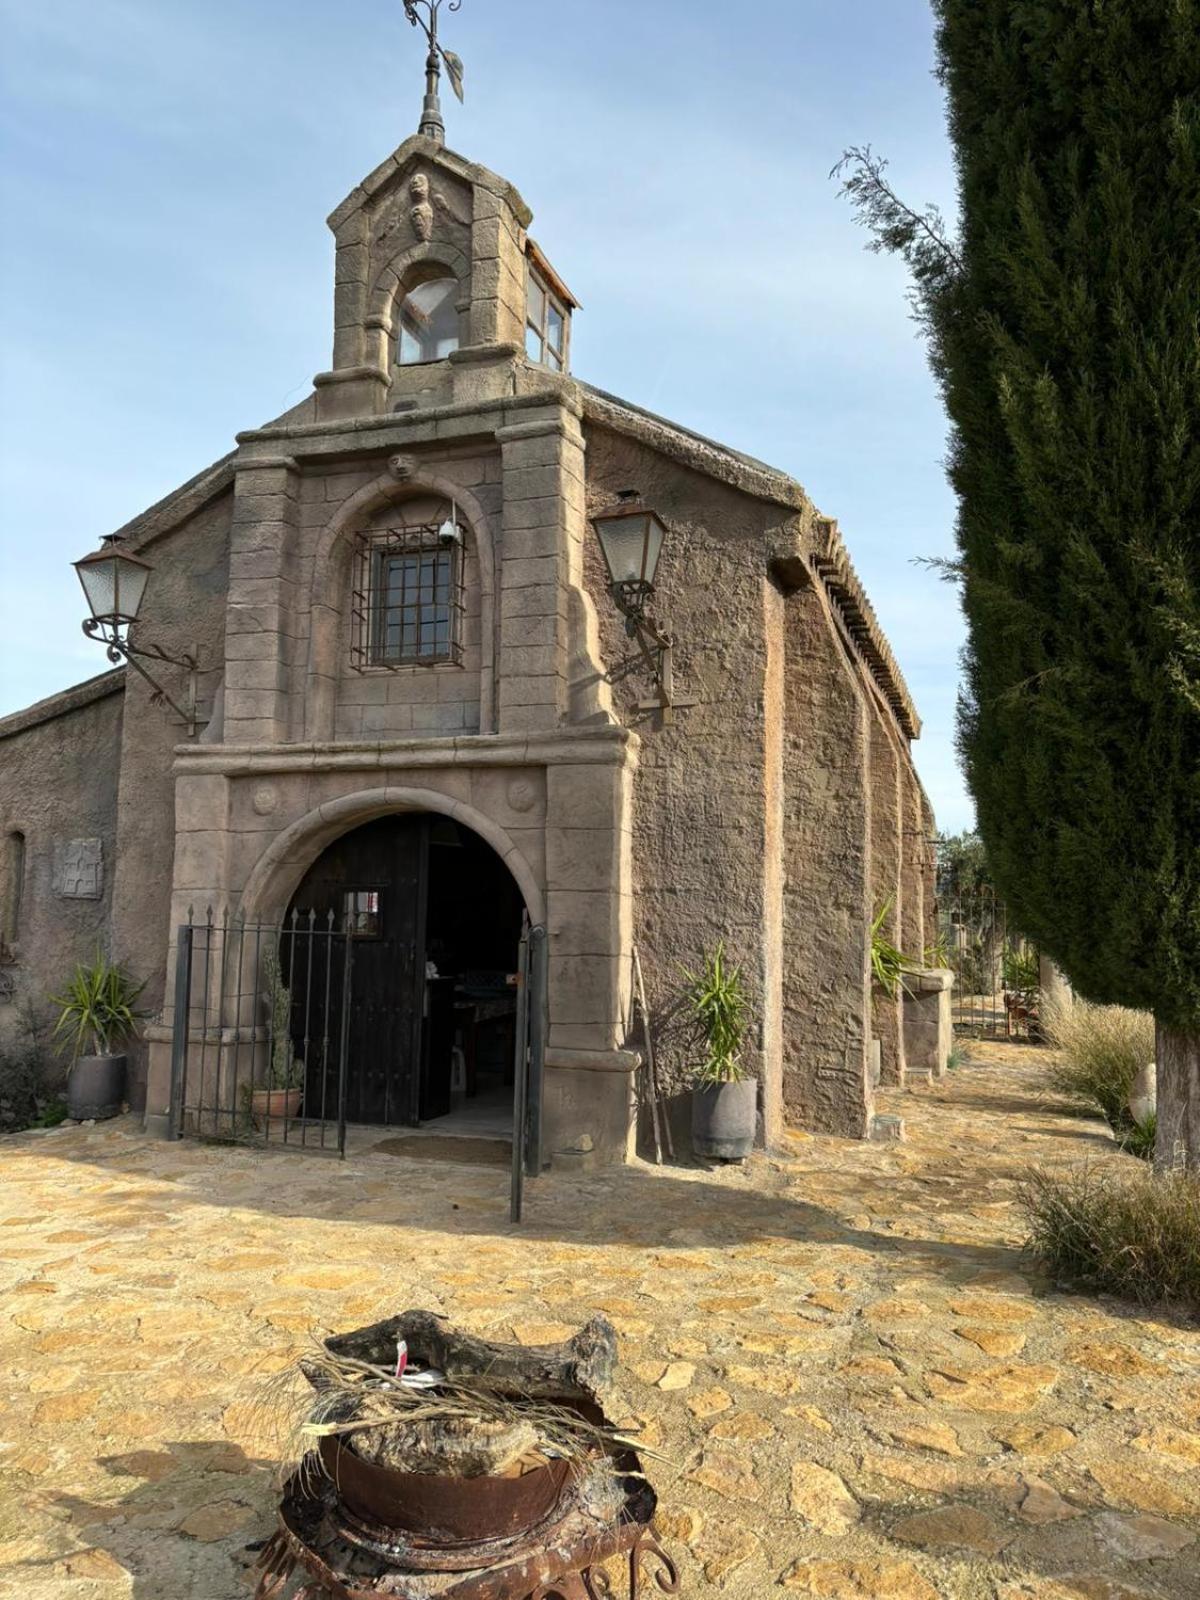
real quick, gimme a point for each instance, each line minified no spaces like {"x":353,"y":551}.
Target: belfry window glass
{"x":408,"y":600}
{"x":545,"y":326}
{"x":428,"y":322}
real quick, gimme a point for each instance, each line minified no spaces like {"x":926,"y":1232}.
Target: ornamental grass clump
{"x":1101,"y":1050}
{"x":1130,"y":1233}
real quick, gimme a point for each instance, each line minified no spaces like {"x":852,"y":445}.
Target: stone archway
{"x":278,"y":871}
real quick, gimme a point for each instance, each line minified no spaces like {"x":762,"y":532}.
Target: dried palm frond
{"x":350,"y":1399}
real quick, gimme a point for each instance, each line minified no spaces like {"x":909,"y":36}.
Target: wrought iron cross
{"x":423,"y":14}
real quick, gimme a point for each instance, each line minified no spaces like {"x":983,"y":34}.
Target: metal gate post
{"x":344,"y":1044}
{"x":520,"y":1082}
{"x":539,"y":976}
{"x":179,"y":1030}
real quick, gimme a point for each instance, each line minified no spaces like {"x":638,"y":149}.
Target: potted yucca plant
{"x":283,"y":1093}
{"x":97,"y":1015}
{"x":724,"y":1098}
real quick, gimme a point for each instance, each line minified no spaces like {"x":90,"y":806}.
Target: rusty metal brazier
{"x":557,"y":1532}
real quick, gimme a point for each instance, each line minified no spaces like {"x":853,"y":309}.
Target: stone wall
{"x":699,"y":808}
{"x":58,"y":833}
{"x":184,"y":609}
{"x":827,"y":856}
{"x":887,"y":879}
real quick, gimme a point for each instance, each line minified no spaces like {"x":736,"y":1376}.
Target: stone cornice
{"x":829,"y":557}
{"x":833,"y":567}
{"x":439,"y":156}
{"x":702,"y":455}
{"x":63,"y":703}
{"x":166,"y":514}
{"x":402,"y":428}
{"x":565,"y":747}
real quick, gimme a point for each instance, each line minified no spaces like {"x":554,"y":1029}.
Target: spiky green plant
{"x":888,"y":963}
{"x":97,"y":1009}
{"x":716,"y":998}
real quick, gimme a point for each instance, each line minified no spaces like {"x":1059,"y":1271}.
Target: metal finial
{"x":431,"y":124}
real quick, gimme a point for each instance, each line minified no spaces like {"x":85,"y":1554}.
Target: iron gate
{"x":996,"y":991}
{"x":261,"y":1031}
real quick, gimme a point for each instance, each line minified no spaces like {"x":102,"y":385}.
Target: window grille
{"x":408,"y":596}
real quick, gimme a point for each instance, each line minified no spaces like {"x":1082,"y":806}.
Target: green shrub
{"x":1140,"y":1138}
{"x":28,"y":1084}
{"x":1130,"y":1234}
{"x":1101,"y":1051}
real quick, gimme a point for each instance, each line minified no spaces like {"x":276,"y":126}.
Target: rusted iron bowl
{"x":440,"y":1509}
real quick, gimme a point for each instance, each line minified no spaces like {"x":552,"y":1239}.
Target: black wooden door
{"x":375,"y":881}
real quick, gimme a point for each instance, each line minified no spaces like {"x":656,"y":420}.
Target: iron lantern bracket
{"x":119,"y":649}
{"x":655,"y":648}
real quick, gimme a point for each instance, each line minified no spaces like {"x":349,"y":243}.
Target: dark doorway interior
{"x":436,"y":921}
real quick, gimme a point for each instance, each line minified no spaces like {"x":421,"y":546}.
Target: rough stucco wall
{"x":914,"y":849}
{"x":184,"y":609}
{"x":886,"y":881}
{"x":58,"y":782}
{"x":698,"y":794}
{"x":827,"y":855}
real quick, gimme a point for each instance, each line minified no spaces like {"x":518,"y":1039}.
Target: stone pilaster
{"x":497,"y":305}
{"x":826,"y":1022}
{"x":263,"y":603}
{"x":887,"y":880}
{"x":589,"y":1084}
{"x":549,"y":668}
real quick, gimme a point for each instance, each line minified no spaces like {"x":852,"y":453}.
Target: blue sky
{"x":166,"y":271}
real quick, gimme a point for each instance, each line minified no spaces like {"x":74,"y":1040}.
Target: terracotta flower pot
{"x":278,"y":1105}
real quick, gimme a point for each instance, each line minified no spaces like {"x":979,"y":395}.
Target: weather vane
{"x":423,"y":14}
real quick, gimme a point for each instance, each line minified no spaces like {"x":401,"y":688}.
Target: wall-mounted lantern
{"x":114,"y":583}
{"x":631,"y":539}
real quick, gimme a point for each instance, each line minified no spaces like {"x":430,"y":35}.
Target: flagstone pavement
{"x":862,"y":1389}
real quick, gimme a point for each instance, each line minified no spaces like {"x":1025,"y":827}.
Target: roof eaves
{"x":64,"y":702}
{"x":831,"y":562}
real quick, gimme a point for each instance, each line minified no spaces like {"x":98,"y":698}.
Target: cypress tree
{"x":1064,"y":327}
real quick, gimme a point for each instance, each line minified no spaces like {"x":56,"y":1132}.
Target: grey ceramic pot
{"x":96,"y":1088}
{"x":724,"y":1118}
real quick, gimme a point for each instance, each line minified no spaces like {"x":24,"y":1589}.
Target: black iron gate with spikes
{"x":261,"y":1029}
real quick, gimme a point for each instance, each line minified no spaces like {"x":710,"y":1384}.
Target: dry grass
{"x":1101,"y":1050}
{"x":410,"y":1429}
{"x":1130,"y":1234}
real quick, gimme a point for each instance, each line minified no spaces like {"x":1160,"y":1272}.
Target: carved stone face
{"x":418,"y":187}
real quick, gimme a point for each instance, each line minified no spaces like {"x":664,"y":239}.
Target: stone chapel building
{"x":418,"y":710}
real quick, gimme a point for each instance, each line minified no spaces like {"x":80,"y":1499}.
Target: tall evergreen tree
{"x":1064,"y":327}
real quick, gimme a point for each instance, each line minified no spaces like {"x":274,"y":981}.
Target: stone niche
{"x":79,"y":869}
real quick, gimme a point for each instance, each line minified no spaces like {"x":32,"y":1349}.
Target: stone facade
{"x":776,"y":809}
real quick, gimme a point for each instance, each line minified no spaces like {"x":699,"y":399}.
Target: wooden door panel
{"x":377,"y":874}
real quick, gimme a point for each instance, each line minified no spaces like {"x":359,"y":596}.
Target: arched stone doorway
{"x":435,"y":918}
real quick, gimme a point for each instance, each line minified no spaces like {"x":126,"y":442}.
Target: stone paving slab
{"x":864,"y":1390}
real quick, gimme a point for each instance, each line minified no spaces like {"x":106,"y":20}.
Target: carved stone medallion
{"x":266,"y":800}
{"x":522,"y":796}
{"x":79,"y":869}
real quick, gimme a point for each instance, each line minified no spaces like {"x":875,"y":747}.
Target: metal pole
{"x":179,"y":1036}
{"x":344,"y":1051}
{"x":520,"y":1082}
{"x":538,"y":1028}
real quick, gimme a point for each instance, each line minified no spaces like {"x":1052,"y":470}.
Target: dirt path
{"x":863,"y":1388}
